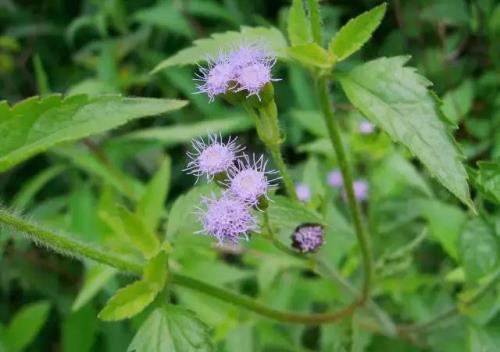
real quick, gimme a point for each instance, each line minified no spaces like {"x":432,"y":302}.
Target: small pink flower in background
{"x":360,"y":189}
{"x":335,"y":178}
{"x":213,"y":156}
{"x":308,"y":237}
{"x":303,"y":192}
{"x":366,"y":127}
{"x":248,"y":180}
{"x":227,"y":218}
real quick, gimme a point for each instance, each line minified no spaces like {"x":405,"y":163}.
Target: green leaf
{"x":155,"y":271}
{"x":139,"y":234}
{"x":79,"y":330}
{"x":95,"y":279}
{"x":311,"y":55}
{"x":165,"y":15}
{"x":129,"y":301}
{"x":25,"y":325}
{"x":397,"y":99}
{"x":172,"y":329}
{"x":483,"y":339}
{"x":35,"y":124}
{"x":211,"y":47}
{"x":299,"y":31}
{"x":487,"y":179}
{"x":479,"y":249}
{"x":355,"y":33}
{"x":176,"y":134}
{"x":458,"y":102}
{"x":150,"y":206}
{"x":445,"y":223}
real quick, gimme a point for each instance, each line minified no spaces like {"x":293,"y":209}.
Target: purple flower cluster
{"x":308,"y":237}
{"x":229,"y":217}
{"x":360,"y":187}
{"x":247,"y":68}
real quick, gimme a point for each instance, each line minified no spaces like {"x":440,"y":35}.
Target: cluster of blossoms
{"x":247,"y":68}
{"x":229,"y":217}
{"x":308,"y":237}
{"x":335,"y":180}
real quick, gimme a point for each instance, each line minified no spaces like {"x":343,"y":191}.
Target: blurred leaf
{"x":211,"y":10}
{"x":355,"y":33}
{"x":138,"y":233}
{"x":298,"y":28}
{"x":446,"y":11}
{"x":176,"y":134}
{"x":25,"y":325}
{"x":150,"y":206}
{"x":487,"y":179}
{"x":458,"y":102}
{"x":155,"y":271}
{"x":311,"y":55}
{"x":483,"y":339}
{"x":172,"y":329}
{"x":165,"y":15}
{"x":445,"y":223}
{"x":42,"y":81}
{"x":211,"y":47}
{"x":129,"y":301}
{"x":311,"y":121}
{"x":35,"y":125}
{"x":397,"y":100}
{"x":479,"y":249}
{"x":95,"y":278}
{"x":79,"y":330}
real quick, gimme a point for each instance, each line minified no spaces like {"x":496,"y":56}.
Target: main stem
{"x":71,"y":247}
{"x":335,"y":138}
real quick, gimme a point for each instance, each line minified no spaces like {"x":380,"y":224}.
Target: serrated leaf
{"x":311,"y":55}
{"x":129,"y":301}
{"x":397,"y":99}
{"x":478,"y":249}
{"x":95,"y":279}
{"x":211,"y":47}
{"x":139,"y":234}
{"x":172,"y":329}
{"x":25,"y":325}
{"x":34,"y":125}
{"x":355,"y":33}
{"x":150,"y":205}
{"x":155,"y":271}
{"x":298,"y":28}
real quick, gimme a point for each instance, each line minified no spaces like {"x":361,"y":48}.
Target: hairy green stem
{"x":315,"y":20}
{"x":69,"y":246}
{"x":335,"y":138}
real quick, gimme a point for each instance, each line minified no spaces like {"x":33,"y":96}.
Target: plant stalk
{"x":355,"y":210}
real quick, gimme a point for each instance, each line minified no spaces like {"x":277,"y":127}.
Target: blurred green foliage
{"x":427,"y":245}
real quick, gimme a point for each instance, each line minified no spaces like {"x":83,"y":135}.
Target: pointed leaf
{"x":355,"y":33}
{"x":396,"y":98}
{"x":35,"y":124}
{"x":211,"y":47}
{"x":129,"y":301}
{"x":139,"y":234}
{"x":299,"y":31}
{"x":155,"y":271}
{"x":311,"y":55}
{"x":172,"y":329}
{"x":25,"y":325}
{"x":150,"y":206}
{"x":95,"y":279}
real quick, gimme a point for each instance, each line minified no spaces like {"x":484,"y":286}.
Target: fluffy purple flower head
{"x":303,"y":192}
{"x":247,"y":68}
{"x":216,"y":78}
{"x":360,"y":189}
{"x":212,"y":157}
{"x":308,"y":237}
{"x":366,"y":127}
{"x":248,"y":180}
{"x":335,"y":178}
{"x":227,"y":218}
